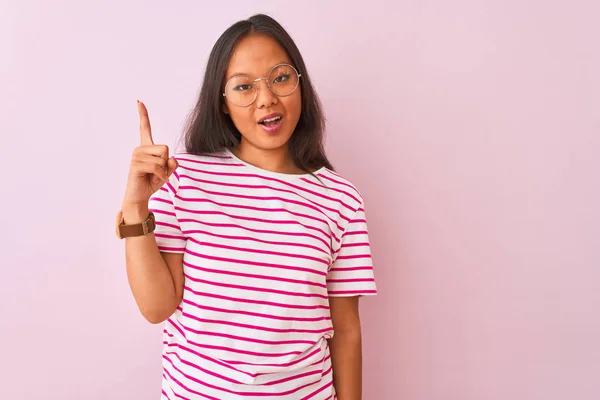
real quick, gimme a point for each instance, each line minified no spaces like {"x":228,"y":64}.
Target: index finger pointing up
{"x":145,"y":130}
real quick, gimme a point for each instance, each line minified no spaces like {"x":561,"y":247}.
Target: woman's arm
{"x":346,"y":347}
{"x":156,"y":279}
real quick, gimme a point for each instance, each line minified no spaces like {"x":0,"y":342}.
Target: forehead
{"x":255,"y":55}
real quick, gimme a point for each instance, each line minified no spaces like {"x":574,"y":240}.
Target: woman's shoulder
{"x":337,"y":183}
{"x":191,"y":160}
{"x":201,"y":156}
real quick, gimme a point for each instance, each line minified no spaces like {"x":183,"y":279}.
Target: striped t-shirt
{"x":263,"y":252}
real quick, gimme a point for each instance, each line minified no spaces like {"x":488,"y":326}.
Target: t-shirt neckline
{"x":271,"y":173}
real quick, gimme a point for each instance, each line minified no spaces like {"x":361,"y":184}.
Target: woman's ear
{"x":225,"y":108}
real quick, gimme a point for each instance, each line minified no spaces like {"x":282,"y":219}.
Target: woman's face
{"x":254,"y":56}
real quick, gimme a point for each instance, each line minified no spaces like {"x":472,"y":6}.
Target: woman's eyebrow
{"x":244,"y":74}
{"x":237,"y":74}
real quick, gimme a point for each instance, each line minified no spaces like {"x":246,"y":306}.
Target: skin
{"x":254,"y":56}
{"x":156,"y":279}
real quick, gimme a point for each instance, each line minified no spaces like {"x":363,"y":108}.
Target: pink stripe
{"x":189,"y":350}
{"x":176,"y":175}
{"x":354,"y":244}
{"x":262,"y":199}
{"x":155,"y":197}
{"x":226,"y":365}
{"x":251,"y":229}
{"x":321,"y":360}
{"x":199,"y":368}
{"x":256,"y":276}
{"x":256,"y":289}
{"x":308,"y":246}
{"x":255,"y":327}
{"x":171,"y":249}
{"x":257,"y":264}
{"x":356,"y":292}
{"x":165,"y":394}
{"x":332,"y":188}
{"x":267,"y":221}
{"x":233,"y":350}
{"x":170,"y":320}
{"x":341,"y":183}
{"x":163,"y":236}
{"x":185,"y":387}
{"x":163,"y":200}
{"x":319,"y":371}
{"x":254,"y":314}
{"x":211,"y":163}
{"x":171,"y":187}
{"x":316,"y":392}
{"x":239,"y":393}
{"x":350,"y":280}
{"x":272,"y":383}
{"x":227,"y":379}
{"x":294,"y":377}
{"x":180,"y":396}
{"x":365,"y":268}
{"x":167,"y":225}
{"x":288,"y":364}
{"x":266,"y":303}
{"x":334,"y":173}
{"x":273,"y":180}
{"x":205,"y":357}
{"x":223,"y":157}
{"x":354,"y":256}
{"x":313,"y":204}
{"x":243,"y":338}
{"x":249,"y":250}
{"x":355,"y":233}
{"x":157,"y":211}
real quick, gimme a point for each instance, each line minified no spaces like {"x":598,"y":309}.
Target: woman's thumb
{"x":171,"y":165}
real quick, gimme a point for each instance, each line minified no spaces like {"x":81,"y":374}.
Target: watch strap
{"x":131,"y":230}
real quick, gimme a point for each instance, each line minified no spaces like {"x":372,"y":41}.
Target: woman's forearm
{"x":346,"y":356}
{"x":148,"y":274}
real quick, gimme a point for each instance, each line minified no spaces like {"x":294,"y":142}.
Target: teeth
{"x":271,"y":119}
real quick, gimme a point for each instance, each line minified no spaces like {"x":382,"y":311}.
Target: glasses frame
{"x":266,"y":79}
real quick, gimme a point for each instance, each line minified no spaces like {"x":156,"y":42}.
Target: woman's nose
{"x":264,"y":98}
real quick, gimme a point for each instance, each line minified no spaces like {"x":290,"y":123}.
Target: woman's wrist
{"x":135,"y":213}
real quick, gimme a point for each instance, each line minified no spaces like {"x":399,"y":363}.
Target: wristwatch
{"x":142,"y":229}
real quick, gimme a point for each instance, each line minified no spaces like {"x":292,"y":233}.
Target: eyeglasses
{"x":242,"y":91}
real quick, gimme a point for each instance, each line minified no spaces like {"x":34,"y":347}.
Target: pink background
{"x":472,"y":129}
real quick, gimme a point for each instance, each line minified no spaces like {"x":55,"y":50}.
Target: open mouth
{"x":270,"y":121}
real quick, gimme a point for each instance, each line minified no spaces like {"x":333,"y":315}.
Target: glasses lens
{"x":240,"y":91}
{"x":283,"y":80}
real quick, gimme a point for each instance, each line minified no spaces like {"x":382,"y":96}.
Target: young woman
{"x":248,"y":245}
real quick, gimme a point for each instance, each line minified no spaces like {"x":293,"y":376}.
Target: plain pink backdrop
{"x":472,"y":129}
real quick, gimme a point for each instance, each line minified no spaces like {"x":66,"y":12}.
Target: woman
{"x":248,"y":245}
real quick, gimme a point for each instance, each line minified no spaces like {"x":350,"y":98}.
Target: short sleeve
{"x":351,"y":272}
{"x":168,"y":234}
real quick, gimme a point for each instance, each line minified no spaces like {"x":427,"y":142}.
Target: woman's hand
{"x":150,"y":166}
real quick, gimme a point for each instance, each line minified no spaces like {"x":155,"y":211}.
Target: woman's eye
{"x":242,"y":88}
{"x":281,"y":78}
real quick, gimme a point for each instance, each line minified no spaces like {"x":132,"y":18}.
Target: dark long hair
{"x":209,"y":130}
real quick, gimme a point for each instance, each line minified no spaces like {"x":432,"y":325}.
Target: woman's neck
{"x":275,"y":160}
